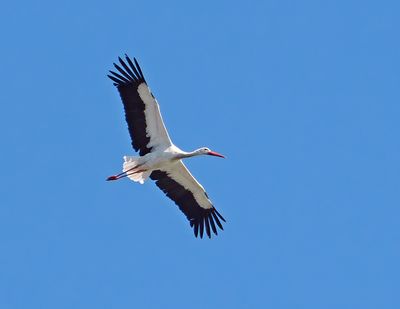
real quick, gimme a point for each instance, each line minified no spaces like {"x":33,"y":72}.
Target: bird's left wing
{"x":142,"y":112}
{"x":181,"y":187}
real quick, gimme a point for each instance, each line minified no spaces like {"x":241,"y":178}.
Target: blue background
{"x":301,"y":96}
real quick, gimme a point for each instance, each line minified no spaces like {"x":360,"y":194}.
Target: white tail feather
{"x":132,"y":167}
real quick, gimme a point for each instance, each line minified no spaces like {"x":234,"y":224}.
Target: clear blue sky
{"x":301,"y":96}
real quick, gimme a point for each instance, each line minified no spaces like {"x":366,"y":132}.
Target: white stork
{"x":159,"y":158}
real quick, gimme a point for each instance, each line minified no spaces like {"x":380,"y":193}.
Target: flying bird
{"x":159,"y":158}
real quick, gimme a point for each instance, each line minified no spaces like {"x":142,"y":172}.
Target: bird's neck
{"x":190,"y":154}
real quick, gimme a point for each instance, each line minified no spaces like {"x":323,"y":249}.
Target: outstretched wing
{"x":181,"y":187}
{"x":142,"y":112}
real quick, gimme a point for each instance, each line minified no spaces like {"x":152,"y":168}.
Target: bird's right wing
{"x":142,"y":112}
{"x":181,"y":187}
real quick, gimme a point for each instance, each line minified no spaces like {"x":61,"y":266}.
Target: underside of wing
{"x":181,"y":187}
{"x":142,"y":113}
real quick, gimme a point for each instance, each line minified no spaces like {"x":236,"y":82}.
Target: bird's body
{"x":159,"y":158}
{"x":139,"y":168}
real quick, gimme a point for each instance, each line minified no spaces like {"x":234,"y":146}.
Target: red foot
{"x":112,"y":178}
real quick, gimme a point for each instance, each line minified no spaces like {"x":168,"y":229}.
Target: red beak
{"x":216,"y":154}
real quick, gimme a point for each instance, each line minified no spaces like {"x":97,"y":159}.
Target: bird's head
{"x":207,"y":151}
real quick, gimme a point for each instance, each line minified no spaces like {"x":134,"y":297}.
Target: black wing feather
{"x":207,"y":224}
{"x":217,"y":220}
{"x":124,"y":73}
{"x":201,"y":227}
{"x":219,"y":215}
{"x":134,"y":107}
{"x":212,"y":224}
{"x":134,"y":68}
{"x":127,"y":69}
{"x":186,"y":202}
{"x":115,"y":80}
{"x":138,"y":67}
{"x":123,"y":79}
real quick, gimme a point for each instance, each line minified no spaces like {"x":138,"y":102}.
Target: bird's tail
{"x":133,"y":167}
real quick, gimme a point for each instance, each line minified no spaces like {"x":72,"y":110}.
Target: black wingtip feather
{"x":123,"y":79}
{"x":125,"y":74}
{"x":201,"y":227}
{"x":138,"y":67}
{"x":214,"y":229}
{"x":131,"y":72}
{"x":128,"y":70}
{"x":219,"y":215}
{"x":207,"y":223}
{"x":217,"y":221}
{"x":133,"y":67}
{"x":116,"y":81}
